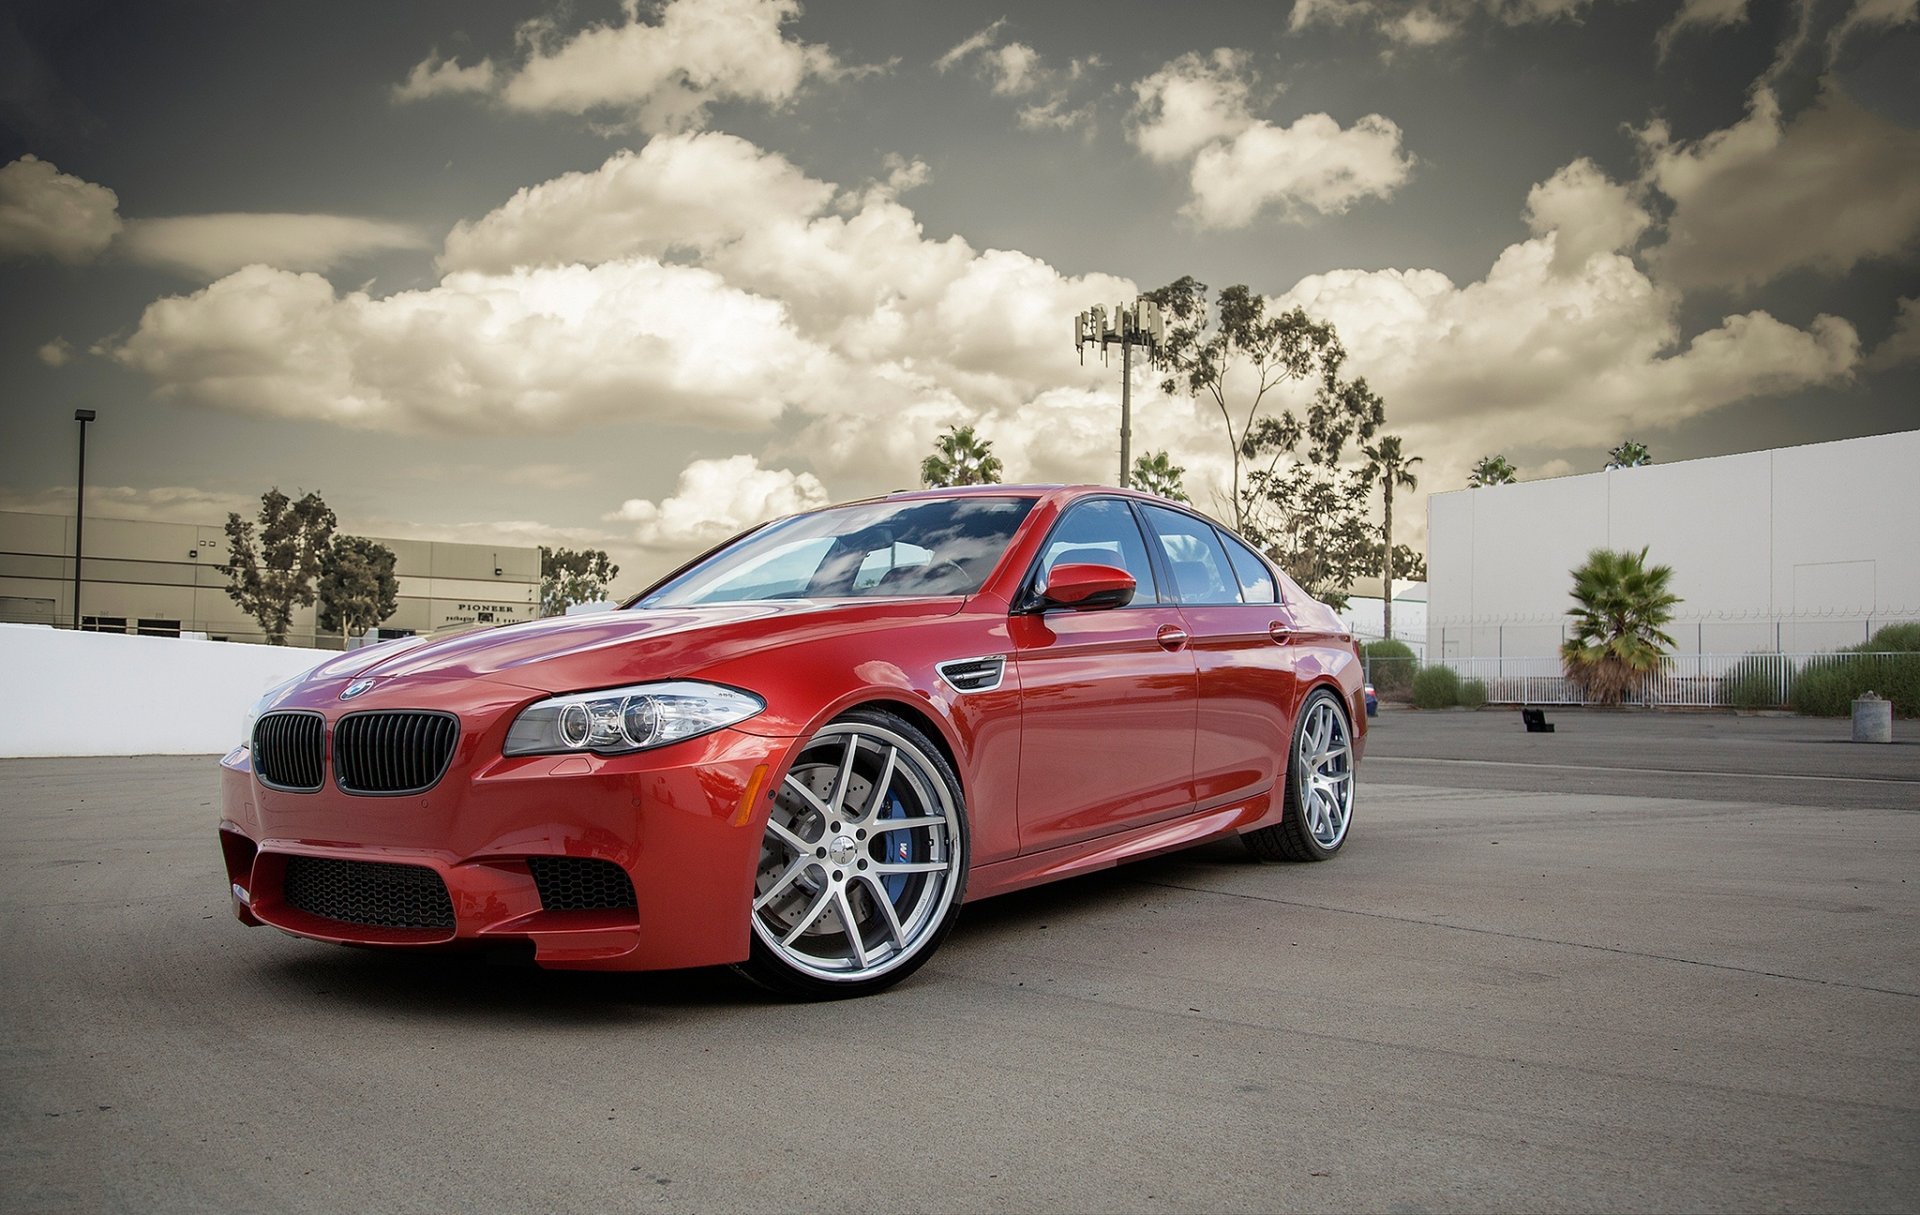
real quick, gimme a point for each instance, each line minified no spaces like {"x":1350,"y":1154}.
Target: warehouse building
{"x":162,"y":579}
{"x":1794,"y":550}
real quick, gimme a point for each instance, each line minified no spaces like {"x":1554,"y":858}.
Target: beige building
{"x":163,"y":579}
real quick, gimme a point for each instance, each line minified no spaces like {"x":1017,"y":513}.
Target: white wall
{"x":67,"y":693}
{"x":1365,"y":617}
{"x":1808,"y":548}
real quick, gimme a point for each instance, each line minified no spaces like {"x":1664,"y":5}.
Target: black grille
{"x":392,"y":752}
{"x":372,"y":893}
{"x":572,"y":883}
{"x":286,"y":750}
{"x":974,"y":674}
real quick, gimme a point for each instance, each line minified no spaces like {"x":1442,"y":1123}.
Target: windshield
{"x":939,"y":546}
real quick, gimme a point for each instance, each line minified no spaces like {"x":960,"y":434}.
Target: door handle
{"x":1171,"y":637}
{"x":1280,"y":631}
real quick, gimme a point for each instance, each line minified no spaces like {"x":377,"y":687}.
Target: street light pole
{"x":82,"y":416}
{"x":1139,"y":325}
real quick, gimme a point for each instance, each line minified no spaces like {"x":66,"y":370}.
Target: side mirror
{"x":1085,"y":588}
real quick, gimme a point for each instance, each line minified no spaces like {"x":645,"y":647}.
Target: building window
{"x":159,"y":628}
{"x":103,"y":624}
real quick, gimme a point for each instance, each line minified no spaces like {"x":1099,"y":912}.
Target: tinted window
{"x":1256,"y":580}
{"x":939,"y":546}
{"x":1101,"y":532}
{"x":1201,"y":574}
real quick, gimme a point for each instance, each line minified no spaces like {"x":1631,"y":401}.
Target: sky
{"x":635,"y":276}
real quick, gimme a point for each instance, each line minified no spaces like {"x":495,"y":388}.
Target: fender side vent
{"x":974,"y":674}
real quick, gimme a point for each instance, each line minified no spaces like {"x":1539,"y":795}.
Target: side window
{"x":1101,"y":532}
{"x":1201,"y":574}
{"x":1256,"y":580}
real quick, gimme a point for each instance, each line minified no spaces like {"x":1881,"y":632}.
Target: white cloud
{"x":1708,"y":14}
{"x":714,"y":499}
{"x":207,"y":246}
{"x":679,"y":192}
{"x":1903,"y":344}
{"x":1560,"y":358}
{"x":1587,"y":212}
{"x":437,"y":77}
{"x":1833,"y":187}
{"x":1869,"y":15}
{"x":1313,"y":165}
{"x":44,"y":212}
{"x":1418,"y":23}
{"x":665,"y":74}
{"x":1014,"y":69}
{"x":1191,"y":102}
{"x":1198,"y":107}
{"x":532,"y":349}
{"x":165,"y":503}
{"x":57,"y":353}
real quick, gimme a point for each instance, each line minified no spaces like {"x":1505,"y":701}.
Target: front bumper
{"x":684,"y":822}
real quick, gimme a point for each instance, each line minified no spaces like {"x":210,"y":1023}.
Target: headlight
{"x":621,"y":720}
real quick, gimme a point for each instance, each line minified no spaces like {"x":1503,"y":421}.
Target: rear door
{"x":1241,"y":643}
{"x":1108,"y":697}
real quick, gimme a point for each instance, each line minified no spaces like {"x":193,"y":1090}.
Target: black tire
{"x":1295,"y":837}
{"x":917,"y":773}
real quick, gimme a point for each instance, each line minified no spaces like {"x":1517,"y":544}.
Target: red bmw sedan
{"x":800,"y":753}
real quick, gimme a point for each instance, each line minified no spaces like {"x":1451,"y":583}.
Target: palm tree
{"x":1491,"y":470}
{"x":1631,"y":453}
{"x":1387,"y":465}
{"x":1620,"y":604}
{"x":1156,"y":473}
{"x":960,"y":459}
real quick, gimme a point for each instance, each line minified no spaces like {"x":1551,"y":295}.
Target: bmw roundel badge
{"x":355,"y":688}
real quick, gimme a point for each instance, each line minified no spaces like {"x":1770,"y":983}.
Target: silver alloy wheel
{"x":1325,"y":765}
{"x":858,"y":864}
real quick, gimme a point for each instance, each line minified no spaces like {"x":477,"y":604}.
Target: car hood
{"x":568,"y":653}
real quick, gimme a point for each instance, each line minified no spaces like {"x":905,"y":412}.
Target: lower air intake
{"x":370,"y":893}
{"x":573,"y":883}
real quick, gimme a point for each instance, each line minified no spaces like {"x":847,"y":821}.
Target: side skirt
{"x":1002,"y":877}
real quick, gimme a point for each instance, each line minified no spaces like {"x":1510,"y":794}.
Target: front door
{"x":1108,"y":697}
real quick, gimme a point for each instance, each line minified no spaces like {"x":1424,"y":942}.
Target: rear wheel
{"x":1319,"y":786}
{"x":863,"y":864}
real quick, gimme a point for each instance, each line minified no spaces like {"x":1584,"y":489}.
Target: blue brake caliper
{"x":900,"y":847}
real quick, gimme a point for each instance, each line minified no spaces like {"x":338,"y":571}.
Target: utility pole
{"x":1140,"y":325}
{"x":82,"y":416}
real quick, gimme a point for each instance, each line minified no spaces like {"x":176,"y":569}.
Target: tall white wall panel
{"x":1803,"y":548}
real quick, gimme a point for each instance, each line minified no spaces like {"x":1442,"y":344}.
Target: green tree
{"x":1630,"y":453}
{"x":1620,"y":607}
{"x":271,"y":571}
{"x":1409,"y":565}
{"x":1156,"y":473}
{"x":570,"y":576}
{"x":357,"y":588}
{"x":1389,"y":467}
{"x":960,"y":458}
{"x":1491,"y":470}
{"x":1234,"y":354}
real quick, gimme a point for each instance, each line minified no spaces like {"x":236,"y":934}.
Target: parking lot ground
{"x":1614,"y":991}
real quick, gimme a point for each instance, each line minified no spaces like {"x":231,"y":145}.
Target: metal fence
{"x":1747,"y":681}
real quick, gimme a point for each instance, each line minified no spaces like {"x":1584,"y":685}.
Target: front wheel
{"x":863,"y":864}
{"x":1319,"y":786}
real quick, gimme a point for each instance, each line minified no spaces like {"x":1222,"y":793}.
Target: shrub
{"x":1473,"y":694}
{"x":1828,"y":689}
{"x":1753,"y":683}
{"x":1436,"y":688}
{"x":1897,"y":639}
{"x":1391,"y":666}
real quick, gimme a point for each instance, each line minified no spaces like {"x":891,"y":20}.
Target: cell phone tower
{"x":1140,"y":325}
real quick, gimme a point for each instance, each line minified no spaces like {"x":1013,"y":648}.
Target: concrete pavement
{"x":1598,"y":994}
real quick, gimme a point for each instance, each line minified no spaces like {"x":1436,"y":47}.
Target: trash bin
{"x":1872,"y":719}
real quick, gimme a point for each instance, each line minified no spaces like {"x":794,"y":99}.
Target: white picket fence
{"x":1700,"y":680}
